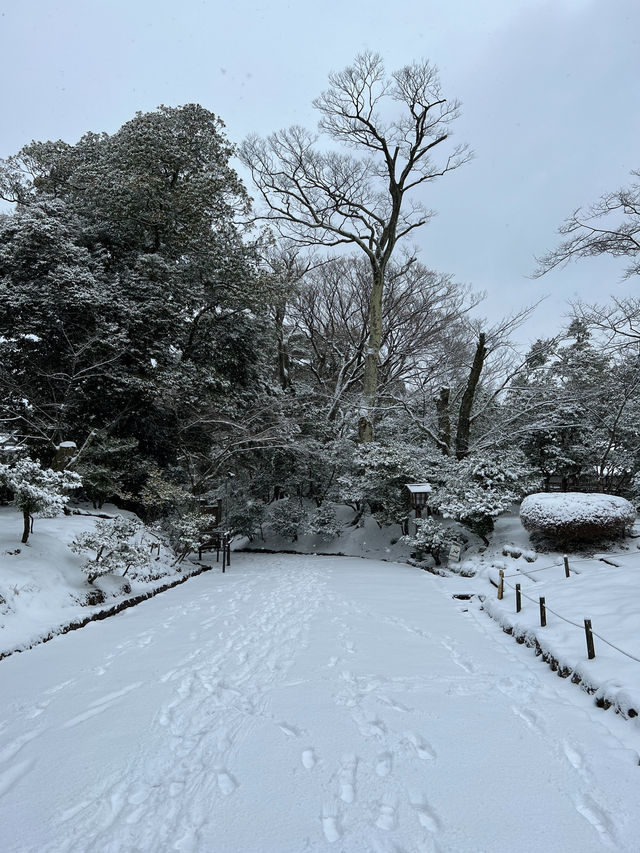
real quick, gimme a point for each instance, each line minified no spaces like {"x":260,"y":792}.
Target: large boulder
{"x":570,"y":516}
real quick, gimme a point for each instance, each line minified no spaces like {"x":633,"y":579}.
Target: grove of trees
{"x":294,"y":355}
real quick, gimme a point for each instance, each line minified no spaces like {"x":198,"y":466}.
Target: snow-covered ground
{"x":603,"y":587}
{"x":307,"y":704}
{"x":42,"y":585}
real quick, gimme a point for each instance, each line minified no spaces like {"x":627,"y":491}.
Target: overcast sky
{"x":550,"y":92}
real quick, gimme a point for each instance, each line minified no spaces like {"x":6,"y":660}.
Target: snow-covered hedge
{"x":576,"y":515}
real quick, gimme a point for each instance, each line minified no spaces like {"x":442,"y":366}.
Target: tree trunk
{"x":444,"y":420}
{"x":464,"y":419}
{"x":26,"y":529}
{"x":372,"y":357}
{"x":283,"y":355}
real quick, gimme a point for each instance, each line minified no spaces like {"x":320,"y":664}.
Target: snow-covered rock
{"x":576,"y":515}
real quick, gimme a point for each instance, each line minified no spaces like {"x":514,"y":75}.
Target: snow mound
{"x":577,"y":515}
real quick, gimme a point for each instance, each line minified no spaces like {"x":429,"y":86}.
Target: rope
{"x":573,"y":560}
{"x":576,"y":625}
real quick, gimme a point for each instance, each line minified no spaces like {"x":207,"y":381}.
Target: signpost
{"x":455,"y":552}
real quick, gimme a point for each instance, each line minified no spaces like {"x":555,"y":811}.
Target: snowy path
{"x":306,"y":704}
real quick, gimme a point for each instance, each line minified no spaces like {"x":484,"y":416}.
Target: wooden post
{"x":543,"y":612}
{"x":591,"y":652}
{"x":501,"y":585}
{"x":228,"y":550}
{"x":218,"y":548}
{"x":518,"y":599}
{"x":224,"y":559}
{"x":567,"y":573}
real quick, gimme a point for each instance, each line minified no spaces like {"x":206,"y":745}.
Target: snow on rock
{"x":576,"y":514}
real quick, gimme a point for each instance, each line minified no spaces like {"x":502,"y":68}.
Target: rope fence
{"x":544,"y":609}
{"x":524,"y":571}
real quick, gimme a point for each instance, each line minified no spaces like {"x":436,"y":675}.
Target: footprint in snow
{"x":384,"y":764}
{"x":387,"y":818}
{"x":226,"y":783}
{"x":427,"y":815}
{"x":330,"y":822}
{"x":347,"y":778}
{"x":423,"y":748}
{"x":308,"y":759}
{"x":289,"y":731}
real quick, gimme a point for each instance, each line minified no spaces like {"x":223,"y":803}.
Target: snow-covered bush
{"x":431,"y":537}
{"x":114,"y":552}
{"x":577,"y":516}
{"x":186,"y":532}
{"x":36,"y":489}
{"x":477,"y":489}
{"x":324,"y":522}
{"x":285,"y":517}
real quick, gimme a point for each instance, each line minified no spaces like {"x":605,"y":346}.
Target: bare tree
{"x":611,"y":226}
{"x":330,"y":315}
{"x":333,"y":198}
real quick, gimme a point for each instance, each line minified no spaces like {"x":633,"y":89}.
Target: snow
{"x":416,"y":488}
{"x":42,"y":585}
{"x":302,"y":703}
{"x":603,"y":587}
{"x":546,"y":509}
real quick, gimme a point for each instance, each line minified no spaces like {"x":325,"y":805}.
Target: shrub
{"x":431,"y":537}
{"x":577,"y":516}
{"x":114,"y":551}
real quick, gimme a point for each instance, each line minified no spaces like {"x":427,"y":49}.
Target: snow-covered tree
{"x":114,"y":550}
{"x":36,"y":489}
{"x":431,"y":537}
{"x":477,"y":489}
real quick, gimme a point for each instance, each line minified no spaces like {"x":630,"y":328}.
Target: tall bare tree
{"x":395,"y":124}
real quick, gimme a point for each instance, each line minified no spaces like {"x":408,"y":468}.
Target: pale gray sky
{"x":550,"y":92}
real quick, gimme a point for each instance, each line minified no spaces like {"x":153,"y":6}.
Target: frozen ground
{"x":307,"y":704}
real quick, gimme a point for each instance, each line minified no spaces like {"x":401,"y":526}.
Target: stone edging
{"x":109,"y":611}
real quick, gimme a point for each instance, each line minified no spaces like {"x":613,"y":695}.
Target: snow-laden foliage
{"x":477,"y":489}
{"x":431,"y":537}
{"x":577,"y":516}
{"x":114,"y":549}
{"x":377,"y":475}
{"x":285,"y":517}
{"x":324,"y":522}
{"x":36,"y":489}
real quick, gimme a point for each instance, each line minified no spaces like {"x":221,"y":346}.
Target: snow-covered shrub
{"x":577,"y":516}
{"x":431,"y":537}
{"x":37,"y":489}
{"x":285,"y":517}
{"x":477,"y":489}
{"x":324,"y":522}
{"x":114,"y":552}
{"x":187,"y":533}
